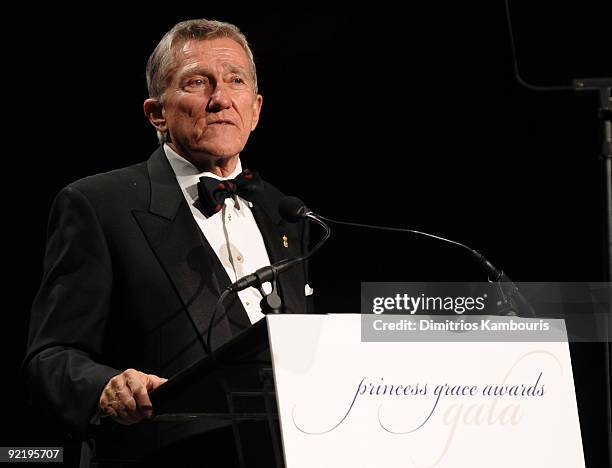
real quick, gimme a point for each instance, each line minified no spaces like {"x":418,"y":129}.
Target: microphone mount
{"x":271,"y":302}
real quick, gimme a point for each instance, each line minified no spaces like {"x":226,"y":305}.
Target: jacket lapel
{"x":181,"y":249}
{"x":192,"y":266}
{"x":281,"y":243}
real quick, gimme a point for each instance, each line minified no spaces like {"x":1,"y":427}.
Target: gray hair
{"x":161,"y":62}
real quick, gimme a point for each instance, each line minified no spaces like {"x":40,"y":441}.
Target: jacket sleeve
{"x":63,"y":369}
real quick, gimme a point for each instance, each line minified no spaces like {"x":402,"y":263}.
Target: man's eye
{"x":237,"y":80}
{"x":196,"y":83}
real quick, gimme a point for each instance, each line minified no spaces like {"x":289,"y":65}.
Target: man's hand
{"x":125,"y":397}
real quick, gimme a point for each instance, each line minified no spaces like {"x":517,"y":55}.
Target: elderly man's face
{"x":210,"y":106}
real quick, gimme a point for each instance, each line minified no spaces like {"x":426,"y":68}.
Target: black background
{"x":409,"y":118}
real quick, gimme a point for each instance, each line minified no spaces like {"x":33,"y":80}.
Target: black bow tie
{"x":213,"y":192}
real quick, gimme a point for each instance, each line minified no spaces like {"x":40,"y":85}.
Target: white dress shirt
{"x":232,"y":233}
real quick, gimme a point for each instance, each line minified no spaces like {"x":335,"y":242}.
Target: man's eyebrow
{"x":235,"y":68}
{"x":196,"y":70}
{"x":203,"y":70}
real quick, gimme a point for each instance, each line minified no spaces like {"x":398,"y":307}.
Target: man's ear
{"x":256,"y":111}
{"x":154,"y":110}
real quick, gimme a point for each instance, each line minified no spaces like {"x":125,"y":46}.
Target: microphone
{"x":264,"y":274}
{"x":293,"y":209}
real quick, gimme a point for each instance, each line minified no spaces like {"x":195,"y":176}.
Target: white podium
{"x":347,"y":403}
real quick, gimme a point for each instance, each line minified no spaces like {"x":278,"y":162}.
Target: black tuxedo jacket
{"x":125,"y":267}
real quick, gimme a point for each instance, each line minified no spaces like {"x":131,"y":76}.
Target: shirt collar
{"x":188,"y":175}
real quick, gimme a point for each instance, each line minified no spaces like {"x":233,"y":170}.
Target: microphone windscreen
{"x":291,"y":209}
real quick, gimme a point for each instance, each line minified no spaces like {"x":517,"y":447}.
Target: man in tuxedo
{"x":136,"y":258}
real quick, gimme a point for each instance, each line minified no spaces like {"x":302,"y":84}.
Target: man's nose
{"x":219,"y":99}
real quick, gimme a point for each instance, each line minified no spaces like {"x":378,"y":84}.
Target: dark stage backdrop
{"x":410,"y":119}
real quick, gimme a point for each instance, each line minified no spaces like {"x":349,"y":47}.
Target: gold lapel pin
{"x":285,"y":242}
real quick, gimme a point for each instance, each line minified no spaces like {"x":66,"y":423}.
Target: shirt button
{"x":248,"y":303}
{"x":239,"y":258}
{"x":229,"y":217}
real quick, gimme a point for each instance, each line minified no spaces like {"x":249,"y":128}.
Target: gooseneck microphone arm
{"x":511,"y":298}
{"x":271,"y":302}
{"x":270,"y":272}
{"x":493,"y":273}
